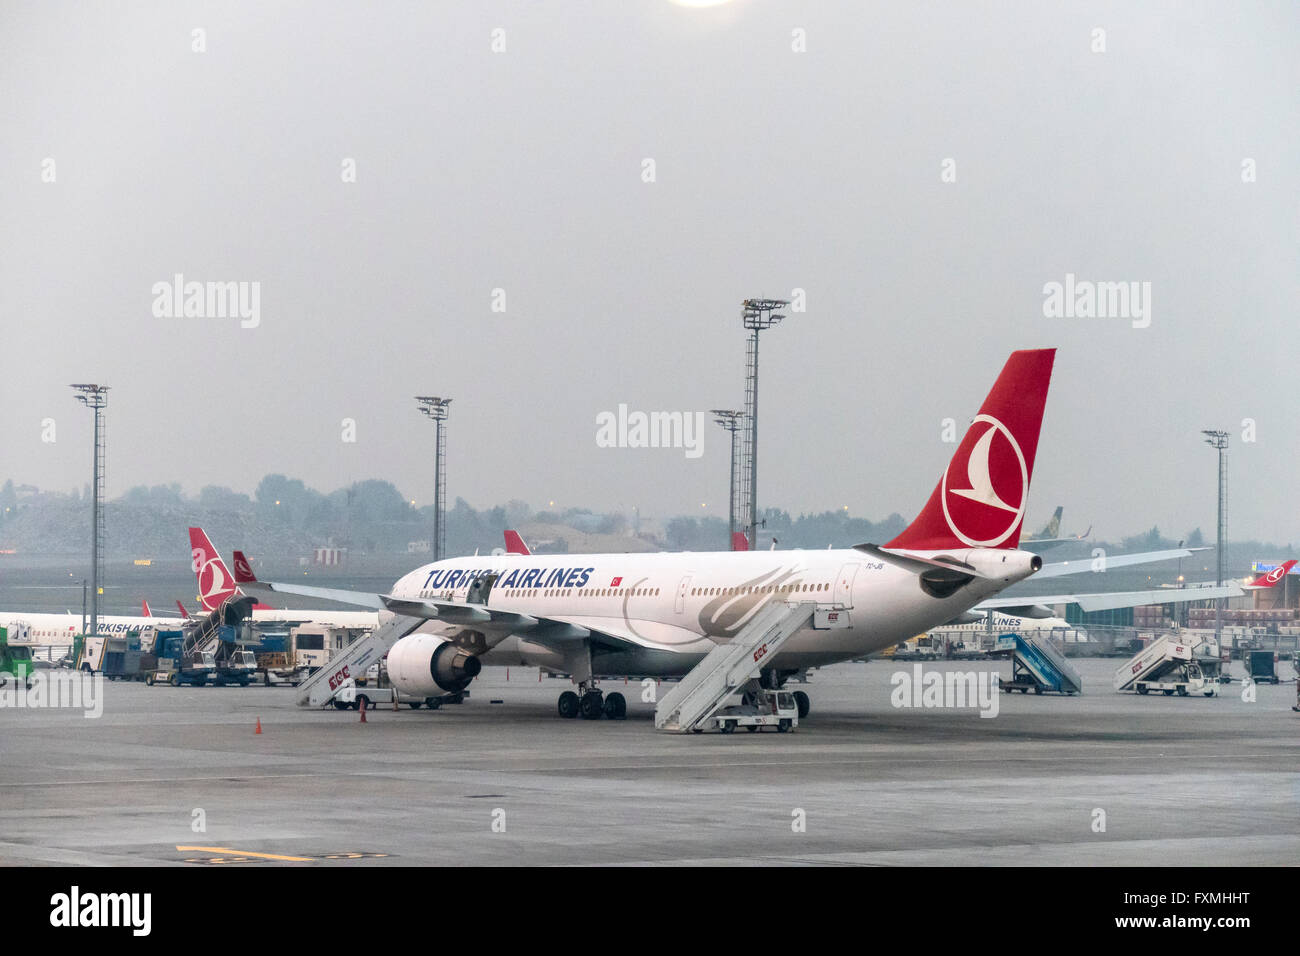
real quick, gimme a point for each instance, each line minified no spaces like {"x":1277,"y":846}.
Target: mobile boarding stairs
{"x":730,"y":668}
{"x":1036,"y":665}
{"x":1169,"y":665}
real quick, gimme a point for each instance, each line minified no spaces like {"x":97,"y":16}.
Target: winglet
{"x":515,"y":544}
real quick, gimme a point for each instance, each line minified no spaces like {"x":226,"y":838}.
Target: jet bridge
{"x":1036,"y":665}
{"x":728,"y":667}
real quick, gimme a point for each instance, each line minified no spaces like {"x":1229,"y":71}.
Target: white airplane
{"x":657,"y":615}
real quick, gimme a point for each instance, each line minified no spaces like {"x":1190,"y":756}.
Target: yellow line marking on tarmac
{"x":227,"y":850}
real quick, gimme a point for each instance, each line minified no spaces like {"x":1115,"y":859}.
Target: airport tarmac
{"x":1182,"y":781}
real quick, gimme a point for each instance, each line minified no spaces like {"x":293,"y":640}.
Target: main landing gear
{"x":591,"y":704}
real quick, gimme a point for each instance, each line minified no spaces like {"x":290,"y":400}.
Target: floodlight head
{"x":433,"y":406}
{"x":761,"y":313}
{"x":727,"y":418}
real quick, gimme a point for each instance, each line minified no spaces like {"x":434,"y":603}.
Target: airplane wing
{"x":1081,"y":565}
{"x":545,"y":630}
{"x":1108,"y":600}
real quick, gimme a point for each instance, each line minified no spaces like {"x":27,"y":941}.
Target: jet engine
{"x":426,"y":665}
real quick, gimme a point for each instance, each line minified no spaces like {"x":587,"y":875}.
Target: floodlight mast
{"x":1218,"y":440}
{"x":734,"y":422}
{"x":436,"y":409}
{"x":95,"y":397}
{"x":757,"y":315}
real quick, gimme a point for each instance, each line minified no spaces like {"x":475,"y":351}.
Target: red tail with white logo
{"x":243,"y":570}
{"x":216,"y":583}
{"x":981,"y":499}
{"x":515,"y":543}
{"x":1272,"y":577}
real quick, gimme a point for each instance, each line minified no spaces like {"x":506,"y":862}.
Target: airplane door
{"x":843,"y":594}
{"x":681,"y":594}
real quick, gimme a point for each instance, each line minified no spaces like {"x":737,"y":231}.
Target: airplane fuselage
{"x":665,"y":611}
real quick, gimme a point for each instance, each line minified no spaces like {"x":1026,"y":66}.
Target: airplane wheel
{"x":568,"y":704}
{"x":591,"y":706}
{"x":616,"y":706}
{"x":803,"y":703}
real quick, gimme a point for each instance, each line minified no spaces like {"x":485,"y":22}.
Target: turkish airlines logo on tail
{"x":214,"y":581}
{"x":242,"y":568}
{"x":984,"y":497}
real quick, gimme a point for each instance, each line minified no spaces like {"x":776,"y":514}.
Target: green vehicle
{"x":15,"y":662}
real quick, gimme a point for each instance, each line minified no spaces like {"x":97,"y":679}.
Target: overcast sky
{"x":795,"y":146}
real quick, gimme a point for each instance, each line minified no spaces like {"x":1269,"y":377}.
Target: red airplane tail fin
{"x":739,"y":542}
{"x":243,"y":570}
{"x":216,"y":583}
{"x":515,"y":544}
{"x":184,"y":613}
{"x":1270,"y":578}
{"x":144,"y":607}
{"x":981,"y":498}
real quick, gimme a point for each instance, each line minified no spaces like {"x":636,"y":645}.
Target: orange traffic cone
{"x":259,"y":726}
{"x":363,"y":710}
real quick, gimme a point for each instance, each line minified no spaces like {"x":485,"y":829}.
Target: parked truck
{"x":177,"y":664}
{"x":15,"y":662}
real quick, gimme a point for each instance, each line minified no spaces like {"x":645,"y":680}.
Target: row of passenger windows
{"x":769,"y":589}
{"x":568,"y":592}
{"x":654,"y":592}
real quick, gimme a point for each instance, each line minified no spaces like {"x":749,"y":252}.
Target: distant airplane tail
{"x":515,"y":544}
{"x":243,"y":570}
{"x":1271,"y":578}
{"x":144,"y":607}
{"x":181,"y":607}
{"x":981,"y":498}
{"x":739,"y":542}
{"x":1053,"y":527}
